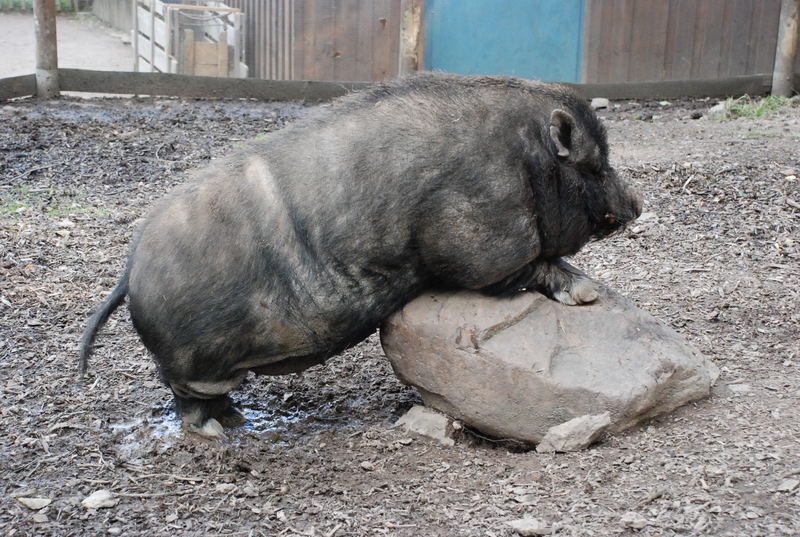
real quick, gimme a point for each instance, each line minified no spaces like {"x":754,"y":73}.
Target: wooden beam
{"x":222,"y":54}
{"x":786,"y":49}
{"x":17,"y":86}
{"x":291,"y":90}
{"x":44,"y":22}
{"x":187,"y":52}
{"x":412,"y":38}
{"x":674,"y":89}
{"x":202,"y":86}
{"x":204,"y":8}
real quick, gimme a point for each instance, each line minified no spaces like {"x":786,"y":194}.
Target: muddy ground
{"x":717,"y":260}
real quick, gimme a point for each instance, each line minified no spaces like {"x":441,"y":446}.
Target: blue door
{"x":541,"y":39}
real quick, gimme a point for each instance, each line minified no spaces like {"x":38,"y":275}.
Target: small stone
{"x":368,"y":466}
{"x":599,"y":103}
{"x":66,"y":223}
{"x":740,"y":388}
{"x":100,"y":499}
{"x":575,"y":434}
{"x":35,"y":503}
{"x":718,"y":111}
{"x":427,"y":422}
{"x":526,"y":499}
{"x":115,"y":531}
{"x":787,"y":485}
{"x":647,"y":218}
{"x":250,"y":491}
{"x":40,"y":518}
{"x":528,"y":527}
{"x":225,"y":488}
{"x":633,"y":520}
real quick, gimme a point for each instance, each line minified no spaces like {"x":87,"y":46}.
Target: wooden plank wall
{"x":269,"y":33}
{"x":116,"y":13}
{"x":649,"y":40}
{"x":335,"y":40}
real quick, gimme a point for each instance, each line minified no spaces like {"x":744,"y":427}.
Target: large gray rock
{"x":514,"y":368}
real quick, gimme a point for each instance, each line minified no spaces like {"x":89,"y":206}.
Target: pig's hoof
{"x":232,"y":417}
{"x":581,"y":291}
{"x":210,"y":429}
{"x":584,"y":291}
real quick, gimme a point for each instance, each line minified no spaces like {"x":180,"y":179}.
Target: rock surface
{"x":100,"y":499}
{"x":718,"y":112}
{"x":575,"y":434}
{"x":516,"y":367}
{"x":35,"y":503}
{"x":530,"y":527}
{"x":427,"y":422}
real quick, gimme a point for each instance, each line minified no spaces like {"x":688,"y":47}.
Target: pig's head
{"x":581,"y":197}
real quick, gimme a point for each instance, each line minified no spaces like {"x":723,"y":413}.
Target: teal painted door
{"x":541,"y":39}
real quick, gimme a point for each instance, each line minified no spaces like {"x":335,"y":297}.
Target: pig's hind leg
{"x":205,"y":407}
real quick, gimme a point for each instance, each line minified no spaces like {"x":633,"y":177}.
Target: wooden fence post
{"x":412,"y":40}
{"x":44,"y":22}
{"x":786,"y":50}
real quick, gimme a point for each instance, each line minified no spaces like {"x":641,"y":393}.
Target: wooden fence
{"x":623,"y":40}
{"x":115,"y":13}
{"x":188,"y":39}
{"x":27,"y":5}
{"x":336,"y":40}
{"x":638,"y":40}
{"x":168,"y":84}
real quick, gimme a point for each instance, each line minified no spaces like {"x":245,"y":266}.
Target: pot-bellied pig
{"x":298,"y":246}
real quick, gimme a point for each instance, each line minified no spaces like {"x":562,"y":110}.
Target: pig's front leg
{"x":555,"y":278}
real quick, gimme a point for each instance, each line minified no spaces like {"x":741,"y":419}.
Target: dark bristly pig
{"x":298,"y":246}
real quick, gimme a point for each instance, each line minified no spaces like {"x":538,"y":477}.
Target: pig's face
{"x":585,"y":198}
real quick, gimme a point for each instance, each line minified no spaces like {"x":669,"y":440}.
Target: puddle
{"x":144,"y":436}
{"x":277,"y":421}
{"x":275,"y":424}
{"x":261,"y":419}
{"x":271,"y":419}
{"x":163,"y":426}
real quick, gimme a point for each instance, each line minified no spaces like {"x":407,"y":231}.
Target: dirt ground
{"x":716,"y":258}
{"x":83,"y":43}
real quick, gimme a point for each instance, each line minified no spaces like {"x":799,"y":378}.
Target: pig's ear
{"x":562,"y":126}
